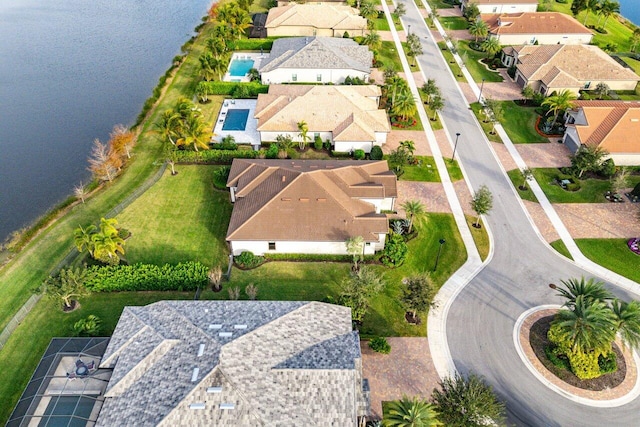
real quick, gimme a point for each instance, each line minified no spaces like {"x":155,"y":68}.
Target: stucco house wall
{"x":290,"y":75}
{"x":502,"y":8}
{"x":293,"y":31}
{"x":516,"y":39}
{"x":291,"y":247}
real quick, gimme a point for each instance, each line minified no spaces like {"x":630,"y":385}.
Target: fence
{"x":17,"y":319}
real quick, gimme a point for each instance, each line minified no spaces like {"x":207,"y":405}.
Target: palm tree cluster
{"x":602,"y":8}
{"x":584,"y":330}
{"x":368,"y":11}
{"x":107,"y":159}
{"x":400,"y":101}
{"x":183,"y":126}
{"x":103,"y":243}
{"x":559,"y":102}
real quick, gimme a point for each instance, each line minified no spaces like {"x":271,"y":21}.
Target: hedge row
{"x":248,"y":90}
{"x":185,"y":276}
{"x":214,"y":156}
{"x":253,"y":44}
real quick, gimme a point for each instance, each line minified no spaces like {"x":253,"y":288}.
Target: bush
{"x":272,"y":151}
{"x":214,"y":156}
{"x":380,"y":345}
{"x":248,"y":260}
{"x":221,"y":176}
{"x":358,"y":154}
{"x":249,"y":90}
{"x":317,"y":143}
{"x":560,"y":362}
{"x":254,"y":44}
{"x":340,"y":154}
{"x":574,"y":186}
{"x":376,"y":153}
{"x":185,"y":276}
{"x":395,"y":251}
{"x":608,"y":168}
{"x":608,"y":363}
{"x":315,"y":257}
{"x":231,"y":146}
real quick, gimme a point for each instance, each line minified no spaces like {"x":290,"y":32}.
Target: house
{"x":536,"y":28}
{"x":572,"y":67}
{"x":334,"y":2}
{"x":309,"y":206}
{"x":234,"y":363}
{"x":611,"y":125}
{"x":347,"y":116}
{"x":316,"y":60}
{"x":315,"y":20}
{"x":502,"y":6}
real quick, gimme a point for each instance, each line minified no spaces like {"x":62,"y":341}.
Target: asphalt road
{"x":481,"y":320}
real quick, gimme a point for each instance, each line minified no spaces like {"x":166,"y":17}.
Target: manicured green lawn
{"x":561,"y":248}
{"x":487,"y":127}
{"x":381,"y":24}
{"x":454,"y":23}
{"x":439,"y":4}
{"x":613,"y":254}
{"x":388,"y":55}
{"x":480,"y":237}
{"x":455,"y":68}
{"x":180,"y":218}
{"x":424,"y":171}
{"x":520,"y":123}
{"x":633,"y":63}
{"x":477,"y":69}
{"x":516,"y":180}
{"x":591,"y":191}
{"x":435,"y":124}
{"x":455,"y":174}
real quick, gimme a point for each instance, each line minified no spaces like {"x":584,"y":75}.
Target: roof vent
{"x":215,"y":326}
{"x":225,"y":334}
{"x":201,"y":350}
{"x":286,"y":199}
{"x":240,"y":327}
{"x":635,"y":120}
{"x":197,"y":405}
{"x":194,"y":375}
{"x":304,"y":199}
{"x":214,"y":390}
{"x":284,"y":178}
{"x":227,"y":405}
{"x":321,"y":199}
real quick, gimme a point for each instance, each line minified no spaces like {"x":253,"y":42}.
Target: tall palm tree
{"x":415,"y":210}
{"x":368,"y":10}
{"x":303,"y":128}
{"x":628,"y":322}
{"x":590,"y":6}
{"x":430,"y":89}
{"x":82,"y":238}
{"x":169,"y":125}
{"x":373,"y":40}
{"x":491,"y":45}
{"x":589,"y":326}
{"x":559,"y":102}
{"x":591,"y":290}
{"x":217,"y":46}
{"x":479,"y":29}
{"x":606,"y":9}
{"x":405,"y":105}
{"x":107,"y":247}
{"x":395,"y":84}
{"x":412,"y":412}
{"x":437,"y":104}
{"x":196,"y":133}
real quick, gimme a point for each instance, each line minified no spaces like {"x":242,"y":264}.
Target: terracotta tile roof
{"x":580,"y":62}
{"x":320,"y":199}
{"x":347,"y":111}
{"x":613,"y":125}
{"x":327,"y":16}
{"x":533,"y":23}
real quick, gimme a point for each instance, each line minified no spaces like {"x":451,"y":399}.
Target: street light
{"x":481,"y":86}
{"x":455,"y":146}
{"x":441,"y":241}
{"x":409,"y":29}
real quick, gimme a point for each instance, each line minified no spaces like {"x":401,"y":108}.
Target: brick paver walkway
{"x":600,"y":220}
{"x":431,"y":194}
{"x":417,"y":136}
{"x":452,"y":11}
{"x":502,"y":91}
{"x":549,"y":155}
{"x":407,"y":370}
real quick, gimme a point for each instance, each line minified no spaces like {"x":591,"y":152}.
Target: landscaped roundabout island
{"x":585,"y":349}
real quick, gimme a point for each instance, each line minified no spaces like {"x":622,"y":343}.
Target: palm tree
{"x":408,"y":145}
{"x":372,"y":40}
{"x":368,"y":10}
{"x":437,"y":105}
{"x":405,"y":105}
{"x":415,"y":210}
{"x":206,"y":69}
{"x":628,"y":322}
{"x":394,"y":85}
{"x":589,"y":326}
{"x":304,"y":137}
{"x":606,"y":9}
{"x":106,"y":247}
{"x":217,"y":46}
{"x":236,"y":19}
{"x":591,"y":290}
{"x":479,"y":29}
{"x":196,"y":133}
{"x":169,"y":125}
{"x":412,"y":412}
{"x":82,"y":238}
{"x":559,"y":102}
{"x":430,"y":89}
{"x":589,"y":6}
{"x":491,"y":45}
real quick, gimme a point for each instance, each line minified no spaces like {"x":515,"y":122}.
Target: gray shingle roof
{"x":286,"y":363}
{"x":318,"y":53}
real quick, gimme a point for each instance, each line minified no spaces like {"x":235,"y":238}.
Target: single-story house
{"x":315,"y":60}
{"x":536,"y":28}
{"x":310,"y":20}
{"x":573,"y":67}
{"x":502,"y":6}
{"x":234,"y":363}
{"x":309,"y":206}
{"x":347,"y":116}
{"x":611,"y":125}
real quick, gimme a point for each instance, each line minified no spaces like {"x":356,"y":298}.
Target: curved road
{"x":481,"y":319}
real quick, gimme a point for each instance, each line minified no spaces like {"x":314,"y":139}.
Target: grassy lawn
{"x":520,"y":123}
{"x":381,"y":24}
{"x":592,"y":190}
{"x":439,"y":4}
{"x":454,"y":23}
{"x":480,"y":237}
{"x":388,"y":55}
{"x":424,"y":171}
{"x":486,"y":127}
{"x":561,"y":248}
{"x":435,"y":124}
{"x":477,"y":69}
{"x":170,"y":225}
{"x":455,"y":68}
{"x":516,"y":180}
{"x":633,"y":63}
{"x":613,"y":254}
{"x":455,"y":174}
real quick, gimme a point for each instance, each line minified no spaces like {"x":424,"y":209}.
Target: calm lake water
{"x":69,"y":71}
{"x":630,"y":9}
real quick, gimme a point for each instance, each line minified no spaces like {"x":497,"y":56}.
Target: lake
{"x":69,"y":71}
{"x":630,"y":10}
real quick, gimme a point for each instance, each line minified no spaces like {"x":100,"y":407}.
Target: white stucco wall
{"x":381,"y":138}
{"x":290,"y":247}
{"x":291,"y":30}
{"x":345,"y":146}
{"x":285,"y":75}
{"x":385,"y":204}
{"x":506,"y":8}
{"x":517,"y":39}
{"x":271,"y":136}
{"x":630,"y":159}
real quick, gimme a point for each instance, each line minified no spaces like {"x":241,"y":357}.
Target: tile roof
{"x":579,"y":62}
{"x":324,"y":109}
{"x":613,"y":125}
{"x":329,"y":16}
{"x":533,"y":23}
{"x":318,"y":53}
{"x":285,"y":363}
{"x":319,"y":198}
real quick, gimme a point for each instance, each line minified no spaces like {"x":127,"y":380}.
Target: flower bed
{"x":634,"y":245}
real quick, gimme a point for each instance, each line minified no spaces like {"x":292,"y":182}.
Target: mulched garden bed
{"x":538,"y":340}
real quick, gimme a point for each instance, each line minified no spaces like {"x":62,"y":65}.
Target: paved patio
{"x":407,"y":370}
{"x":417,"y":136}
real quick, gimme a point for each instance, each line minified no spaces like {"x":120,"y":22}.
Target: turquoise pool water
{"x":236,"y":119}
{"x":240,"y":67}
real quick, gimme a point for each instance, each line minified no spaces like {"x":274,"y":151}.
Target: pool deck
{"x":257,"y":59}
{"x":250,"y":134}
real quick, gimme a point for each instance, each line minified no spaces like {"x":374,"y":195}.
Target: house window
{"x":272,"y":246}
{"x":495,"y":9}
{"x":316,"y":135}
{"x":319,"y":77}
{"x":587,"y":84}
{"x":294,"y":77}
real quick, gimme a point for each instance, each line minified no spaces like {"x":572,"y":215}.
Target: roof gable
{"x":533,"y":23}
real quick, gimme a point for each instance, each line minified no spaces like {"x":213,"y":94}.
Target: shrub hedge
{"x":186,"y":276}
{"x":214,"y":156}
{"x":238,"y":89}
{"x":248,"y":260}
{"x":380,"y":345}
{"x":254,"y":44}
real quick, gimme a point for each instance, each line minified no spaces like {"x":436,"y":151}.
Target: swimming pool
{"x":236,"y":119}
{"x":240,"y":67}
{"x":63,"y":410}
